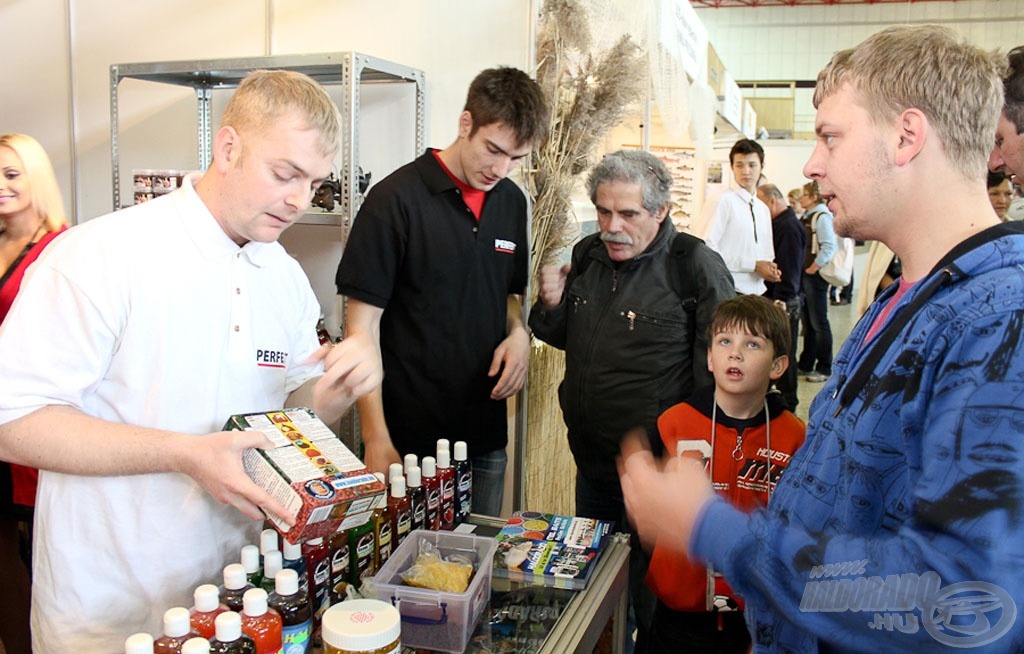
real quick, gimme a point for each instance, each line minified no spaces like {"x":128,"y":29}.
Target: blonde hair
{"x":264,"y":96}
{"x":43,"y":189}
{"x":931,"y":68}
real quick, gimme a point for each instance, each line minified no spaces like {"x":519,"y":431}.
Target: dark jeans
{"x":604,"y":502}
{"x":817,"y":353}
{"x":787,"y":383}
{"x":698,"y":633}
{"x":489,"y":482}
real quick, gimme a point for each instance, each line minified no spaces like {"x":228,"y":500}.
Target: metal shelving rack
{"x":348,"y":69}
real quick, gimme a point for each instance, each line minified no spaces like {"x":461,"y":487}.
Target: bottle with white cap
{"x":235,"y":584}
{"x":177,"y":629}
{"x":382,"y":534}
{"x":409,"y":461}
{"x":197,"y":645}
{"x":140,"y":643}
{"x":292,"y":604}
{"x":432,"y":492}
{"x":205,"y":609}
{"x":446,"y":474}
{"x":295,"y":560}
{"x":417,"y":498}
{"x":229,"y":638}
{"x":463,"y":483}
{"x":401,"y":511}
{"x":395,"y":469}
{"x":260,"y":622}
{"x":249,"y":557}
{"x":268,"y":541}
{"x":273,"y":562}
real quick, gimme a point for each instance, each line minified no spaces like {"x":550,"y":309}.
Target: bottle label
{"x":296,"y":638}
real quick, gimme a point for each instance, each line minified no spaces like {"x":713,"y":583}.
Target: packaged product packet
{"x":310,"y":471}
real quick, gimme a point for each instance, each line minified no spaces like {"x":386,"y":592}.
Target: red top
{"x":473,"y":197}
{"x":740,"y":475}
{"x":23,"y":479}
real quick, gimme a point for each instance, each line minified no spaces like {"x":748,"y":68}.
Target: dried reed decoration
{"x":588,"y":94}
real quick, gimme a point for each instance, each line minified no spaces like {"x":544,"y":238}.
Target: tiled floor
{"x":842,"y":319}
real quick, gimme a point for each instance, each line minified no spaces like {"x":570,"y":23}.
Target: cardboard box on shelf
{"x":310,"y":471}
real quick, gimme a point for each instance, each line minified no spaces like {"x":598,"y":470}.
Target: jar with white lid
{"x":362,"y":626}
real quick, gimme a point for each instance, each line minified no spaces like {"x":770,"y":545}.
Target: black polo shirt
{"x":443,"y":280}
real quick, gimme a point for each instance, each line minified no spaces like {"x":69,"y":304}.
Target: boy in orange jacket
{"x":746,"y":437}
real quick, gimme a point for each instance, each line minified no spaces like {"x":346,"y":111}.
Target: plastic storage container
{"x":433,"y":619}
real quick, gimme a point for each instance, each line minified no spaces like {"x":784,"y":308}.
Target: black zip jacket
{"x":631,"y":349}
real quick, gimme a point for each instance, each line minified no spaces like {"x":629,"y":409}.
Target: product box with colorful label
{"x":310,"y":471}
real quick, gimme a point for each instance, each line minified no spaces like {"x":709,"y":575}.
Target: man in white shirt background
{"x":738,"y":225}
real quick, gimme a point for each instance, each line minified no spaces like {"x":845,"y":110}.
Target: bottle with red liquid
{"x":417,"y":498}
{"x":229,"y":638}
{"x":177,"y":630}
{"x":260,"y":622}
{"x":432,"y":493}
{"x":446,"y":474}
{"x":318,"y":574}
{"x":205,"y":610}
{"x":292,"y":604}
{"x":463,"y":483}
{"x":401,"y":511}
{"x":235,"y":585}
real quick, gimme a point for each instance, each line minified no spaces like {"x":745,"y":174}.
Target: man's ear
{"x":661,"y":215}
{"x":779,"y":366}
{"x":912,"y":129}
{"x":465,"y":124}
{"x":227,"y":148}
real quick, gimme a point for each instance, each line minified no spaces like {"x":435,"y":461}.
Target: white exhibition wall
{"x":59,"y":90}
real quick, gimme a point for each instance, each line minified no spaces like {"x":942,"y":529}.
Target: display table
{"x":523,"y":618}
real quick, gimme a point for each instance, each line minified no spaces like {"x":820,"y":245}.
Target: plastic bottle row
{"x":294,"y":586}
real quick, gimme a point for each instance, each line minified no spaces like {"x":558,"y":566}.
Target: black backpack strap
{"x":683,"y":274}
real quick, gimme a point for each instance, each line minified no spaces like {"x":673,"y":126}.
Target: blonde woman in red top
{"x":31,"y":216}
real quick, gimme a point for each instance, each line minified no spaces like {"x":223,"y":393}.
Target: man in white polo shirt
{"x":135,"y":337}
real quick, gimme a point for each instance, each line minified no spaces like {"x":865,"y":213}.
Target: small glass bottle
{"x":401,"y":511}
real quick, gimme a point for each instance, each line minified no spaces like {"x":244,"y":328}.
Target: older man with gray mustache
{"x":631,"y":312}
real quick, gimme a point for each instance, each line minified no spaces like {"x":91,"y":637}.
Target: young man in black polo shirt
{"x":433,"y":268}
